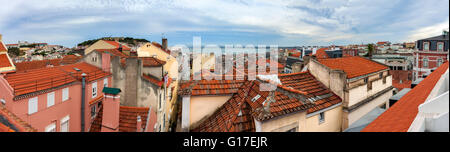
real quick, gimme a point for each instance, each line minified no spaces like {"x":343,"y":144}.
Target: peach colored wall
{"x":332,"y":123}
{"x":203,"y":106}
{"x":47,"y":115}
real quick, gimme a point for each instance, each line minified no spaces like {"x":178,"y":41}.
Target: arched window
{"x":439,"y":62}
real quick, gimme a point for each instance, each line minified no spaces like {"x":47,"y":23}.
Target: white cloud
{"x":428,"y":31}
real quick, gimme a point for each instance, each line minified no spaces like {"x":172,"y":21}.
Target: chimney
{"x":111,"y":108}
{"x":1,"y":37}
{"x":164,"y":44}
{"x":138,"y":124}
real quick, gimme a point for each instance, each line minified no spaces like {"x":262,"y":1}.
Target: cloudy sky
{"x":257,"y":22}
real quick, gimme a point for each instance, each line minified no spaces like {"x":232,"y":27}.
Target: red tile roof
{"x":46,"y":78}
{"x":114,"y":52}
{"x":354,"y":66}
{"x":238,"y":113}
{"x":399,"y":117}
{"x":153,"y":80}
{"x":70,"y":59}
{"x":400,"y":86}
{"x":306,"y":82}
{"x":30,"y":65}
{"x":117,"y":45}
{"x":210,"y":87}
{"x":4,"y":61}
{"x":160,"y":46}
{"x":127,"y":119}
{"x":2,"y":47}
{"x":11,"y":123}
{"x":321,"y":54}
{"x":152,"y":62}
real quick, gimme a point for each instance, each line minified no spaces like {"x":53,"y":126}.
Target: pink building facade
{"x":50,"y":98}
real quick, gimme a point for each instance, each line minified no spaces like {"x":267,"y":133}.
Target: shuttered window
{"x":33,"y":105}
{"x":50,"y":99}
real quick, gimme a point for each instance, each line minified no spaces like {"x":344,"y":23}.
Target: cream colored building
{"x":104,"y":44}
{"x":362,"y":84}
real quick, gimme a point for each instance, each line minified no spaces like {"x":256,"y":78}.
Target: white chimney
{"x":139,"y":124}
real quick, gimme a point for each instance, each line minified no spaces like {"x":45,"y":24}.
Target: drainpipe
{"x":83,"y":92}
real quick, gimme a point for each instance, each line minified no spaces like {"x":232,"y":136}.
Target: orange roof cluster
{"x":354,"y":66}
{"x":30,"y":81}
{"x":127,"y":119}
{"x":70,"y":59}
{"x":306,"y":82}
{"x":239,"y":112}
{"x":399,"y":117}
{"x":30,"y":65}
{"x":11,"y":123}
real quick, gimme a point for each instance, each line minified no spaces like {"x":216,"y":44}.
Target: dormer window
{"x":440,"y":46}
{"x":426,"y":46}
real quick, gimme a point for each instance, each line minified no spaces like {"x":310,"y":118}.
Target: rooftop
{"x":399,"y":117}
{"x":11,"y":123}
{"x":354,"y":66}
{"x":127,"y":119}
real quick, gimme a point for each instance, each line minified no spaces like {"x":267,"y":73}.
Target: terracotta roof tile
{"x":399,"y":117}
{"x":4,"y":61}
{"x":152,"y":62}
{"x":306,"y":82}
{"x":400,"y":86}
{"x":46,"y":78}
{"x":210,"y":87}
{"x":321,"y":54}
{"x":239,"y":112}
{"x":117,"y":45}
{"x":70,"y":59}
{"x":354,"y":66}
{"x":30,"y":65}
{"x":3,"y":47}
{"x":153,"y":80}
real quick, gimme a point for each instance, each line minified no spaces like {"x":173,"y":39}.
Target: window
{"x":369,"y":86}
{"x":439,"y":62}
{"x":321,"y":117}
{"x":105,"y":82}
{"x":32,"y":105}
{"x":426,"y":46}
{"x":425,"y":63}
{"x":366,"y":80}
{"x":50,"y":99}
{"x":51,"y":128}
{"x":440,"y":46}
{"x":65,"y":124}
{"x":94,"y":59}
{"x":65,"y":94}
{"x":381,"y":75}
{"x":94,"y":89}
{"x":93,"y":111}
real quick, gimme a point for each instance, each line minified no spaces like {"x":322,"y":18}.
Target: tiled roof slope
{"x":46,"y":78}
{"x":210,"y":87}
{"x":11,"y":123}
{"x":354,"y":66}
{"x":30,"y":65}
{"x":238,"y":113}
{"x":152,"y":62}
{"x":399,"y":117}
{"x":306,"y":82}
{"x":127,"y":119}
{"x":70,"y":59}
{"x":117,"y":45}
{"x":321,"y":54}
{"x":3,"y":47}
{"x":4,"y":61}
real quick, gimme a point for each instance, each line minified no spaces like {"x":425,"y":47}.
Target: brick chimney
{"x":111,"y":109}
{"x":1,"y":37}
{"x":164,"y":44}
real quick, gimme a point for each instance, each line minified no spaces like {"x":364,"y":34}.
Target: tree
{"x":14,"y":51}
{"x":370,"y":50}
